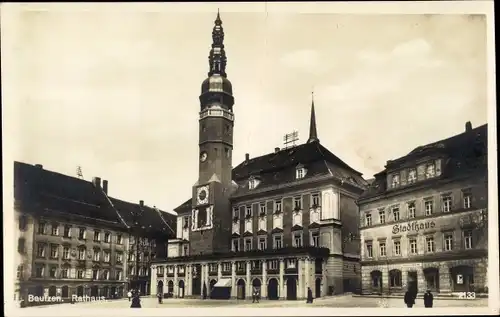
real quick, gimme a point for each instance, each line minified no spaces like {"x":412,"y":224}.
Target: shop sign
{"x":413,"y":226}
{"x":460,"y":279}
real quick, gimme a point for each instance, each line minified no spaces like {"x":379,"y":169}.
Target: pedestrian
{"x":160,"y":298}
{"x":258,"y":294}
{"x":254,"y":294}
{"x":136,"y":301}
{"x":129,"y":295}
{"x":309,"y":296}
{"x":428,"y":299}
{"x":409,"y":299}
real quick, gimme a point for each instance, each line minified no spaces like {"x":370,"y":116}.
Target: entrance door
{"x":413,"y":282}
{"x":196,"y":286}
{"x":181,"y":288}
{"x":317,"y":288}
{"x":463,"y":278}
{"x":79,"y":291}
{"x":94,"y":291}
{"x":241,"y":289}
{"x":291,"y":288}
{"x":432,"y":279}
{"x":272,"y":289}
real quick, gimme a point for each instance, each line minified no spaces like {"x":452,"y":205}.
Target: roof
{"x":279,"y":168}
{"x":65,"y":194}
{"x":462,"y":152}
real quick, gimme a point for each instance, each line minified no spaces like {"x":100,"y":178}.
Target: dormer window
{"x":430,"y":170}
{"x":253,"y":183}
{"x":300,"y":172}
{"x":395,"y":180}
{"x":412,"y":176}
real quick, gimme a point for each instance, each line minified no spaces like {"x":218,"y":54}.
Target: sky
{"x":116,"y":91}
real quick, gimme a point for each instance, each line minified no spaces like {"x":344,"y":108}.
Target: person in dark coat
{"x":428,"y":299}
{"x":160,"y":298}
{"x":136,"y":301}
{"x":309,"y":296}
{"x":409,"y":299}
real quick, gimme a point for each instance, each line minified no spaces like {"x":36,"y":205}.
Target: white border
{"x":9,"y":27}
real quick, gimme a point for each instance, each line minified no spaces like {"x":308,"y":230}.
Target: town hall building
{"x":281,"y":222}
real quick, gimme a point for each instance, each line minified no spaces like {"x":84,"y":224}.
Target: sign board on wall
{"x":413,"y":226}
{"x":460,"y":279}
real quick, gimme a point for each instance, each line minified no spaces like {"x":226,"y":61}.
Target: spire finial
{"x":217,"y":59}
{"x":313,"y":134}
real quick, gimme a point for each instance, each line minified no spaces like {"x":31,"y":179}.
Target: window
{"x":448,"y":242}
{"x":185,"y":220}
{"x":277,"y":241}
{"x":369,"y":250}
{"x":55,"y":229}
{"x":105,"y":275}
{"x":248,"y":244}
{"x":395,"y":180}
{"x":81,"y":254}
{"x":381,"y":216}
{"x":272,"y":264}
{"x":119,"y":257}
{"x":300,"y":173}
{"x":263,"y":209}
{"x":23,"y":222}
{"x":97,"y":255}
{"x":21,"y":245}
{"x":67,"y":231}
{"x":468,"y":239}
{"x":40,"y":250}
{"x":429,"y":205}
{"x":446,"y":203}
{"x":80,"y":274}
{"x":236,"y":213}
{"x":383,"y":249}
{"x":107,"y":237}
{"x":315,"y":239}
{"x":430,"y":170}
{"x":411,"y":210}
{"x":412,"y":175}
{"x":39,"y":271}
{"x":119,"y":275}
{"x":119,"y":239}
{"x":66,"y":253}
{"x":262,"y":243}
{"x":248,"y":211}
{"x":291,"y":263}
{"x":97,"y":236}
{"x":429,"y":243}
{"x":395,"y":278}
{"x":397,"y":247}
{"x":368,"y":219}
{"x":413,"y":246}
{"x":467,"y":201}
{"x":95,"y":274}
{"x":315,"y":200}
{"x":252,"y":183}
{"x":277,"y":206}
{"x":297,"y":203}
{"x":82,"y":234}
{"x":395,"y":213}
{"x":64,"y":272}
{"x":53,"y":272}
{"x":41,"y":228}
{"x":297,"y":239}
{"x":54,"y":248}
{"x":236,"y":245}
{"x":185,"y":250}
{"x":226,"y":266}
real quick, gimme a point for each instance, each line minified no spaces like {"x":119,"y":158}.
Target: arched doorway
{"x":240,"y":286}
{"x":94,"y":291}
{"x":462,"y":278}
{"x":317,"y":288}
{"x":170,"y":286}
{"x":431,"y":276}
{"x":159,"y":287}
{"x":376,"y":278}
{"x":256,"y":283}
{"x":181,"y":288}
{"x":272,"y":289}
{"x":211,"y":286}
{"x":79,"y":291}
{"x":395,"y":279}
{"x":65,"y":292}
{"x":291,"y":288}
{"x":52,"y":291}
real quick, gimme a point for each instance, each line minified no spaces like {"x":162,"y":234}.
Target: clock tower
{"x":211,"y":210}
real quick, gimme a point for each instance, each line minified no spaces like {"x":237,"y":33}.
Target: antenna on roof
{"x":290,"y":138}
{"x":79,"y":172}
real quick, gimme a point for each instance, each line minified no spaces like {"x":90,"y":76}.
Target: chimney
{"x":40,"y":166}
{"x":276,"y":149}
{"x":141,"y":203}
{"x":96,"y":181}
{"x":468,"y":126}
{"x":105,"y":186}
{"x":247,"y":157}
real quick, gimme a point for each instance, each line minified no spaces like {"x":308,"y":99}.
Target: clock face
{"x":202,"y":195}
{"x":203,"y":156}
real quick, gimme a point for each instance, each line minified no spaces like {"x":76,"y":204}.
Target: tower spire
{"x":217,"y":58}
{"x":313,"y":133}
